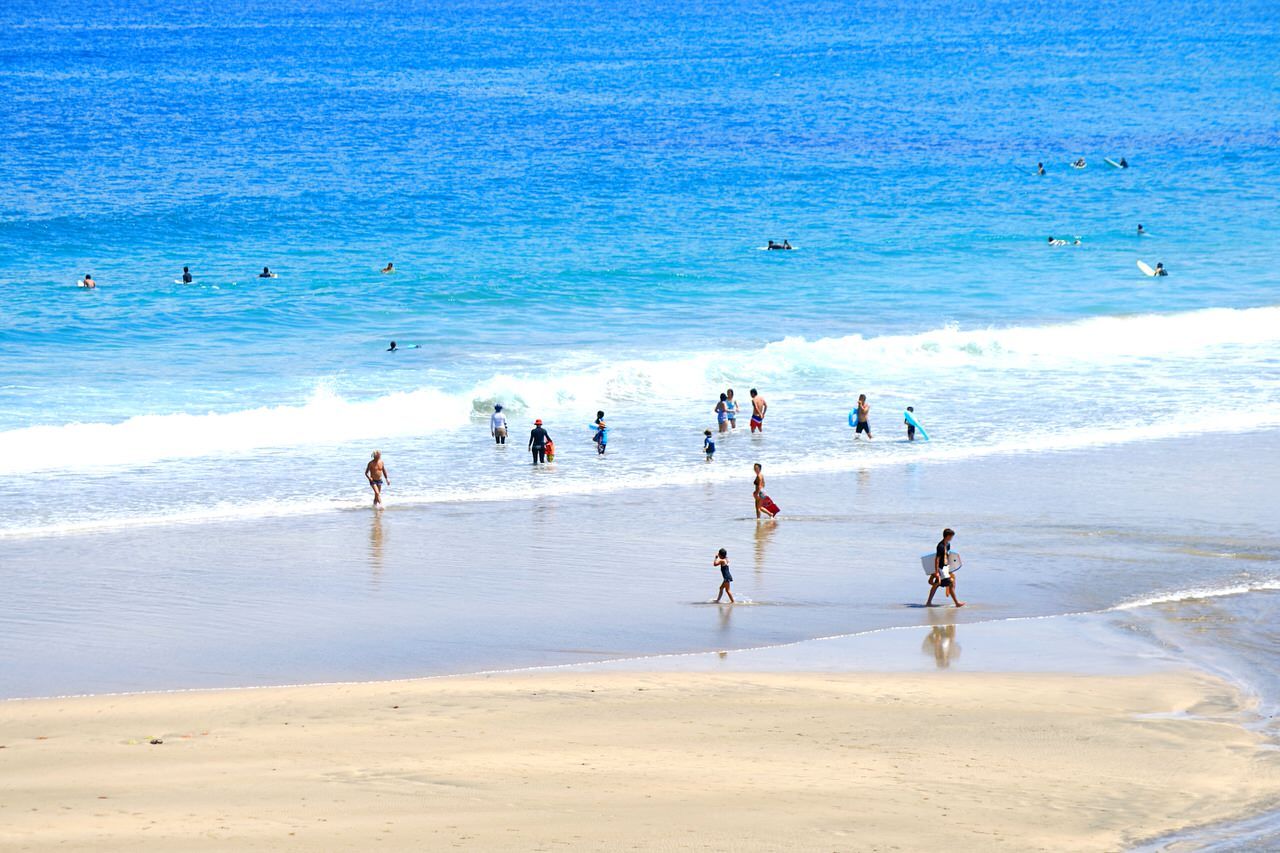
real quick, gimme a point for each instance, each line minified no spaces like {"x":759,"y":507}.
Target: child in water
{"x":602,"y":433}
{"x":721,"y":561}
{"x":911,"y":430}
{"x":708,"y":446}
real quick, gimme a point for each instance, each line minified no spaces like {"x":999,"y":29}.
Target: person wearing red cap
{"x":538,"y":439}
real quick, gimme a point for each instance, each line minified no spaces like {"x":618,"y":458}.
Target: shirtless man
{"x":376,"y":473}
{"x":758,"y":408}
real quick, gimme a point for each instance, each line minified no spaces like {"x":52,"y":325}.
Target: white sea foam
{"x":1162,"y":347}
{"x":1198,"y":592}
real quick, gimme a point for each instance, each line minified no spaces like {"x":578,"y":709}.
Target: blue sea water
{"x":576,"y":197}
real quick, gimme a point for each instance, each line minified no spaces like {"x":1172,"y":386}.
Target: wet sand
{"x":593,"y":759}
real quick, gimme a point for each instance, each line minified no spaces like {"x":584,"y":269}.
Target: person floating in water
{"x":863,"y":422}
{"x":1079,"y":164}
{"x":392,"y":348}
{"x":186,"y":276}
{"x":1141,"y":232}
{"x":758,"y":408}
{"x":1160,"y":270}
{"x":942,"y":578}
{"x":376,"y":473}
{"x":722,"y":413}
{"x":87,"y":281}
{"x":721,"y":561}
{"x":266,"y":273}
{"x":1124,"y":164}
{"x":498,"y":425}
{"x":708,"y":446}
{"x":602,"y":433}
{"x":1053,"y":242}
{"x":395,"y":348}
{"x":538,"y":439}
{"x":1039,"y":168}
{"x":731,"y":409}
{"x":390,"y":267}
{"x":786,"y":244}
{"x":911,"y":428}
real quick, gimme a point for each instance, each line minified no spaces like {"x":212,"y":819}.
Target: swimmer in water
{"x":1160,"y":270}
{"x":1079,"y":164}
{"x":863,"y":419}
{"x":786,"y":244}
{"x":1124,"y":164}
{"x":88,"y":282}
{"x":1141,"y":232}
{"x":498,"y":425}
{"x":392,"y":348}
{"x":390,"y":267}
{"x":1039,"y":168}
{"x":266,"y":273}
{"x":1053,"y":242}
{"x":186,"y":276}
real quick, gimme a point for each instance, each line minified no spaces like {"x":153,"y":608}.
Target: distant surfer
{"x":1079,"y":164}
{"x":911,"y":428}
{"x":773,"y":246}
{"x":1124,"y":164}
{"x":1053,"y":242}
{"x":498,"y":425}
{"x":786,"y":244}
{"x":731,"y":409}
{"x":87,"y":281}
{"x":538,"y":439}
{"x":389,"y":268}
{"x":942,"y":576}
{"x":395,"y":348}
{"x":376,"y":473}
{"x":721,"y":562}
{"x":392,"y":348}
{"x":722,"y":413}
{"x":1160,"y":270}
{"x":758,"y":408}
{"x":601,"y":437}
{"x":708,"y":446}
{"x":863,"y":421}
{"x":758,"y":491}
{"x":186,"y":276}
{"x":1141,"y":232}
{"x":1039,"y":168}
{"x":266,"y":273}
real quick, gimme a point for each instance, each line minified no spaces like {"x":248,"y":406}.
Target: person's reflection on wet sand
{"x":764,"y":532}
{"x":375,"y":547}
{"x":941,"y":643}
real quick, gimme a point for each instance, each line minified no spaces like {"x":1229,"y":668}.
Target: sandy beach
{"x":587,"y":759}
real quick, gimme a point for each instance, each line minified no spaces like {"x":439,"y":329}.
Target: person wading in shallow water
{"x":721,"y":561}
{"x":538,"y":439}
{"x":376,"y":473}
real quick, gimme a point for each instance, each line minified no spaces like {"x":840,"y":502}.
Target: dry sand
{"x":608,"y":760}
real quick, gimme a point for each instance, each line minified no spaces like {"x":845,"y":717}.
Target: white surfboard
{"x":1142,"y":265}
{"x":953,"y":562}
{"x":1111,"y":162}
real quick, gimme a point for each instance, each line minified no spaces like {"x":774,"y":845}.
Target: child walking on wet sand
{"x":721,"y":560}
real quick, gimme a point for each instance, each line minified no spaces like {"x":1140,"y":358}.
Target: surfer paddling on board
{"x":758,"y":408}
{"x":1141,"y":232}
{"x":942,"y":576}
{"x":863,"y":423}
{"x":186,"y":276}
{"x":721,"y":562}
{"x":87,"y":281}
{"x":266,"y":273}
{"x":376,"y":473}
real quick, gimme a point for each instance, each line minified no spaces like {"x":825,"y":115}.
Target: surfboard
{"x":853,"y":418}
{"x":180,"y":281}
{"x":920,"y":431}
{"x":953,"y":562}
{"x":80,"y":283}
{"x":1111,"y":162}
{"x":1142,"y":265}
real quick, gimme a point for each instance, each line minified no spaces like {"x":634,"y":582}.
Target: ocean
{"x":576,"y":197}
